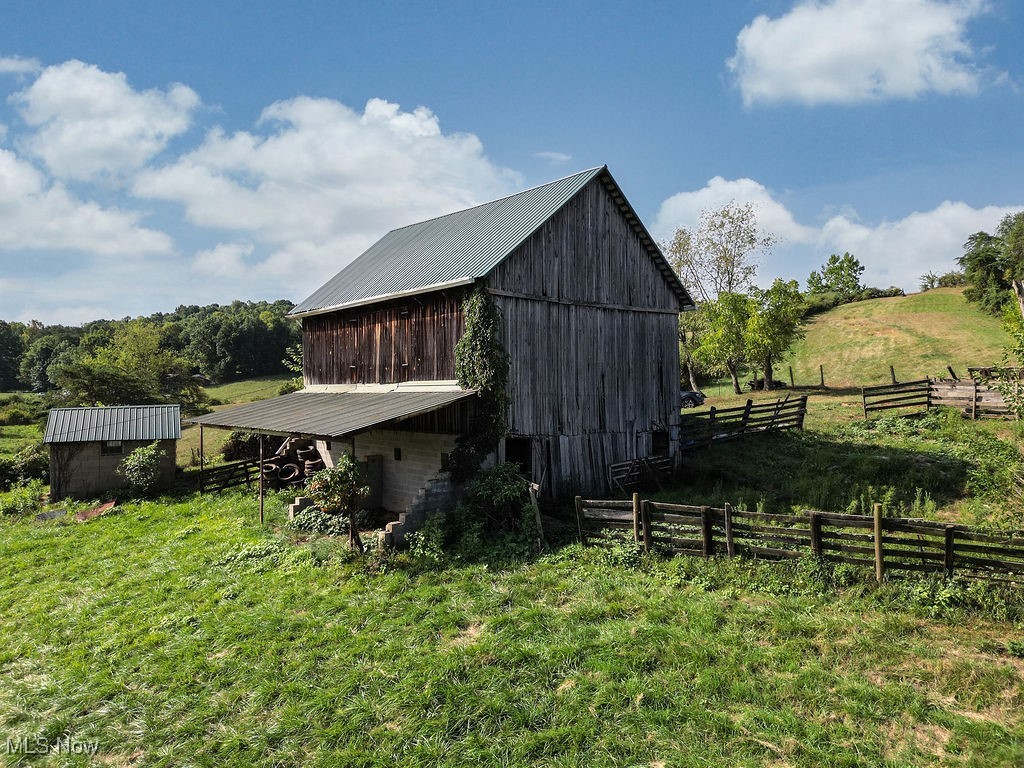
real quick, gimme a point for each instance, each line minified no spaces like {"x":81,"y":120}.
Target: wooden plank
{"x":607,"y":504}
{"x":993,"y":564}
{"x":768,"y":551}
{"x":903,"y":385}
{"x":752,"y":515}
{"x":990,"y":549}
{"x":767,"y":530}
{"x":579,"y":520}
{"x":1011,"y":540}
{"x":843,"y":536}
{"x":730,"y":543}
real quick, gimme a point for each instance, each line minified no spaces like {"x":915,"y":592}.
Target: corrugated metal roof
{"x":458,"y":248}
{"x":116,"y":422}
{"x":329,"y":414}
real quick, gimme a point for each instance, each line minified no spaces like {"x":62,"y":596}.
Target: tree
{"x":716,"y":264}
{"x":1011,"y":232}
{"x":840,"y":274}
{"x":985,"y":272}
{"x":773,"y":324}
{"x":12,"y":347}
{"x":338,"y":490}
{"x":131,"y":369}
{"x":723,"y":342}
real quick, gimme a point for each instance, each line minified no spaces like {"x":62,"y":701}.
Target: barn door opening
{"x":519,"y":451}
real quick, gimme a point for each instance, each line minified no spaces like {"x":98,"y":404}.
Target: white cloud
{"x":893,"y":252}
{"x":35,"y":215}
{"x":18,"y":65}
{"x":684,"y":208}
{"x":223,"y":260}
{"x":899,"y":252}
{"x":555,"y":158}
{"x":89,"y":122}
{"x":849,"y":51}
{"x":321,"y":181}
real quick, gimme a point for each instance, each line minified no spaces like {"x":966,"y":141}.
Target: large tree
{"x":717,"y":264}
{"x":840,"y":274}
{"x":773,"y":324}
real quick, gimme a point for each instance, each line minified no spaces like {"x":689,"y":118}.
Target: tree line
{"x":165,"y":357}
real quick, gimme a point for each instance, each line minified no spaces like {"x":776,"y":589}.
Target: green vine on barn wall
{"x":481,"y":363}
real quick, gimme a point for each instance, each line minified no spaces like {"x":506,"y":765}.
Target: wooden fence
{"x":231,"y":475}
{"x":975,"y":398}
{"x":884,"y":543}
{"x":701,"y":429}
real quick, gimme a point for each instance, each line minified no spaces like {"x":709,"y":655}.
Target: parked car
{"x":689,"y":398}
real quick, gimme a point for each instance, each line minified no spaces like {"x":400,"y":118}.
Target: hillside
{"x":919,"y":335}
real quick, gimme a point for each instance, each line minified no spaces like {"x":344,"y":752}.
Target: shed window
{"x":111,"y":448}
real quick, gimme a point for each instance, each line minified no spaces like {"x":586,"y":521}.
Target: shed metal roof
{"x":329,"y":414}
{"x":460,"y":247}
{"x":117,"y":422}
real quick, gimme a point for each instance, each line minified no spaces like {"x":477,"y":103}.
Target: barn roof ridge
{"x":457,"y":248}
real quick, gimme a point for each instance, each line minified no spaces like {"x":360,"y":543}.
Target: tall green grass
{"x":177,"y":632}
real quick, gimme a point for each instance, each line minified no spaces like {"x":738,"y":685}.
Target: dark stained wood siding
{"x":412,"y":339}
{"x":592,"y":331}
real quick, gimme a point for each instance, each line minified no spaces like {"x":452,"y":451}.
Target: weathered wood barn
{"x":589,"y":310}
{"x":87,"y":445}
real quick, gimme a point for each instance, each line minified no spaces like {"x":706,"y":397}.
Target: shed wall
{"x":82,"y":471}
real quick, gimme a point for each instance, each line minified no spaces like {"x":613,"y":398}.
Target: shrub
{"x":315,"y":520}
{"x":141,"y":468}
{"x":23,"y":498}
{"x":30,"y":463}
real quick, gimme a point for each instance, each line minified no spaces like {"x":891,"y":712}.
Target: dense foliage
{"x":481,"y":363}
{"x":992,"y":263}
{"x":147,"y":359}
{"x":141,"y":469}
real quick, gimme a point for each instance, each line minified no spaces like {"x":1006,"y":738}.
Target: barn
{"x":589,"y":320}
{"x":87,"y":445}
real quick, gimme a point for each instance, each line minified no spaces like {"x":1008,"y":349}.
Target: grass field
{"x":179,"y":633}
{"x":919,"y":335}
{"x":14,"y":438}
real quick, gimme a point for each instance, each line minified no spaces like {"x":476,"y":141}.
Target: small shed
{"x":87,"y":445}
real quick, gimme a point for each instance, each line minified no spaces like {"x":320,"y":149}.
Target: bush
{"x":141,"y":469}
{"x":30,"y":463}
{"x":315,"y":520}
{"x":23,"y":498}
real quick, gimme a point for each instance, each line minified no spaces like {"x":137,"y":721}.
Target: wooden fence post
{"x":730,"y":544}
{"x":746,"y":417}
{"x":645,"y":520}
{"x":815,"y":520}
{"x":579,"y":519}
{"x":892,"y":374}
{"x":636,"y":517}
{"x":821,"y":370}
{"x":974,"y":400}
{"x":705,"y":532}
{"x":791,"y":383}
{"x":879,"y":554}
{"x":949,"y":550}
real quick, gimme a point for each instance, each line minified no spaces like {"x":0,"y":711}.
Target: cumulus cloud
{"x":223,"y":260}
{"x":899,"y":252}
{"x":850,"y":51}
{"x":88,"y":122}
{"x":684,"y":208}
{"x":318,"y":181}
{"x":18,"y":65}
{"x":37,"y":215}
{"x":893,"y":252}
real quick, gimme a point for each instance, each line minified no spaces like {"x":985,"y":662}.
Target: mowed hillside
{"x":919,"y":335}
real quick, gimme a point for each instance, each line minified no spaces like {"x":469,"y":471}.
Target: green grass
{"x":919,"y":335}
{"x":179,"y":633}
{"x":14,"y":438}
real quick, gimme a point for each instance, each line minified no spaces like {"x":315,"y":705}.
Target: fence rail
{"x":701,"y":429}
{"x":977,"y":399}
{"x":884,"y":543}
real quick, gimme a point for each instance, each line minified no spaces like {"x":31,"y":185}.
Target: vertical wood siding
{"x":408,"y":340}
{"x":592,"y":374}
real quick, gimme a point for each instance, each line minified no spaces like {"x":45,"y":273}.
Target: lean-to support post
{"x":261,"y":478}
{"x":202,"y":458}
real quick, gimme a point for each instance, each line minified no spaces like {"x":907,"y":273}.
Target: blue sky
{"x":153,"y":155}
